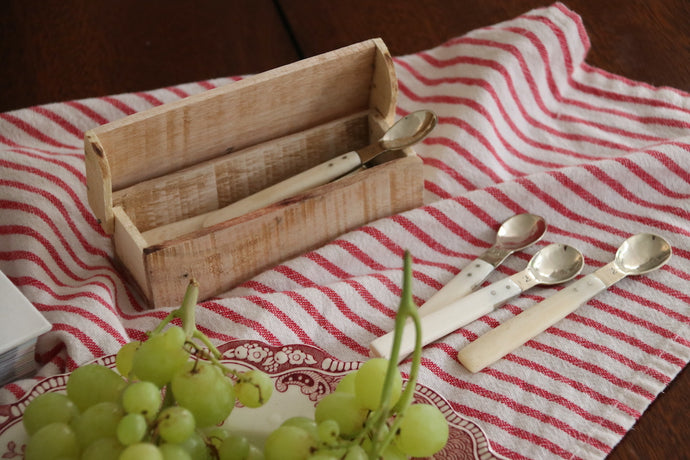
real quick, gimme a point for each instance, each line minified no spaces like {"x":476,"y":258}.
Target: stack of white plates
{"x":20,"y":326}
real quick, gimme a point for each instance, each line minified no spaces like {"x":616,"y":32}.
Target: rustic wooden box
{"x":182,"y":159}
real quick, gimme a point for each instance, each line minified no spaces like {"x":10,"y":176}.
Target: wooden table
{"x":56,"y":50}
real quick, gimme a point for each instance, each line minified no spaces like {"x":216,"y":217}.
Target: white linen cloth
{"x":525,"y":125}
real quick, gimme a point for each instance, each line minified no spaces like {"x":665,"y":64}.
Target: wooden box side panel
{"x":235,"y":253}
{"x":129,"y":247}
{"x":209,"y":185}
{"x":281,"y":101}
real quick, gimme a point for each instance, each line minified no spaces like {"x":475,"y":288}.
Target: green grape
{"x":196,"y":447}
{"x":423,"y":431}
{"x":288,"y":443}
{"x":255,"y":453}
{"x":391,"y":452}
{"x":254,"y":388}
{"x":142,"y":398}
{"x":234,"y":447}
{"x":52,"y":442}
{"x":131,"y":429}
{"x":103,"y":449}
{"x":125,"y":358}
{"x":161,"y":356}
{"x":205,"y":391}
{"x":48,"y":408}
{"x":328,"y":431}
{"x":369,"y":383}
{"x":174,"y":452}
{"x":93,"y":383}
{"x":307,"y":424}
{"x":141,"y":451}
{"x":175,"y":424}
{"x":216,"y":435}
{"x":347,"y":383}
{"x":344,"y":409}
{"x":356,"y":452}
{"x":322,"y":456}
{"x":98,"y":421}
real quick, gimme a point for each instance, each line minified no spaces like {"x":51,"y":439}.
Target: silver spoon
{"x":637,"y":255}
{"x":515,"y":234}
{"x":405,"y":132}
{"x":553,"y":264}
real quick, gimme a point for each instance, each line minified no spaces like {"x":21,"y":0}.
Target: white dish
{"x":302,"y":375}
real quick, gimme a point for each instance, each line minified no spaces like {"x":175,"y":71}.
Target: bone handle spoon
{"x":553,"y":264}
{"x":637,"y":255}
{"x":406,"y":132}
{"x":515,"y":234}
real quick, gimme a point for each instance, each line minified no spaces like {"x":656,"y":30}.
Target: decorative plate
{"x":302,"y":375}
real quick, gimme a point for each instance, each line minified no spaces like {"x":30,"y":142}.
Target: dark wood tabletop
{"x":56,"y":50}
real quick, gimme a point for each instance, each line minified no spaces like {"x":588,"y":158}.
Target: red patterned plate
{"x":302,"y":375}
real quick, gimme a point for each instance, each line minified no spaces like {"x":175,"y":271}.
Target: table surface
{"x":57,"y":50}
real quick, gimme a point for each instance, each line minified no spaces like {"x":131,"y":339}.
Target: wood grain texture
{"x":53,"y":50}
{"x":58,"y":50}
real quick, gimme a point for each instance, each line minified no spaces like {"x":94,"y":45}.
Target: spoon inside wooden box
{"x":404,"y":133}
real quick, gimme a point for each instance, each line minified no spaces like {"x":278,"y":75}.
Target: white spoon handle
{"x":313,"y":177}
{"x":469,"y":278}
{"x":513,"y":333}
{"x":446,"y":320}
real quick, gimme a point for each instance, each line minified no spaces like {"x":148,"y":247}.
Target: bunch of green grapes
{"x":171,"y":394}
{"x":166,"y":401}
{"x":353,"y":423}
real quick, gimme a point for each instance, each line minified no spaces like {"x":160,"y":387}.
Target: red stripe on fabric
{"x":595,"y":201}
{"x":235,"y":317}
{"x":87,"y":315}
{"x":659,"y":376}
{"x":555,"y":398}
{"x":665,"y":160}
{"x":590,"y":367}
{"x":577,"y":385}
{"x":150,"y":98}
{"x":81,"y":337}
{"x":206,"y":84}
{"x":359,"y":254}
{"x":177,"y":91}
{"x":461,"y":178}
{"x":32,"y":257}
{"x":257,"y":286}
{"x":59,"y":182}
{"x":38,"y":212}
{"x":436,"y":190}
{"x":599,"y":91}
{"x":517,"y":131}
{"x":17,"y":391}
{"x":283,"y":317}
{"x":33,"y":132}
{"x":57,"y":119}
{"x":512,"y":430}
{"x":118,"y":104}
{"x":513,"y":50}
{"x":370,"y":299}
{"x":514,"y":405}
{"x":619,"y":335}
{"x":88,"y":111}
{"x":329,"y":327}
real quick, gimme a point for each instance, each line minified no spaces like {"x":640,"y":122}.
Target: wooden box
{"x":156,"y":168}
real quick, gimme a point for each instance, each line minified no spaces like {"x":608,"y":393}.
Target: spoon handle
{"x":469,"y":278}
{"x":513,"y":333}
{"x":451,"y":317}
{"x":313,"y":177}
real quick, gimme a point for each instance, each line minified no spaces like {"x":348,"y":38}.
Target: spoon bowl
{"x":555,"y":264}
{"x":520,"y":231}
{"x":409,"y":130}
{"x":642,"y":253}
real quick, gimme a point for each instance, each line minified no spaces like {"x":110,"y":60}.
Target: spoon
{"x":553,"y":264}
{"x":405,"y":132}
{"x":637,"y":255}
{"x":515,"y":234}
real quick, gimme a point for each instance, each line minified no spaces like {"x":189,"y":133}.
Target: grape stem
{"x":407,"y":309}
